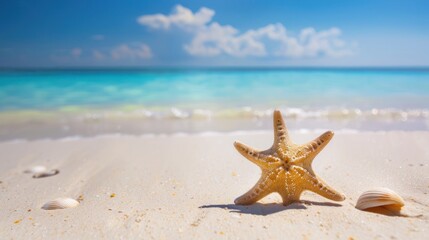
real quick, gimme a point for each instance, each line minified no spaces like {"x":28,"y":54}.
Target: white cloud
{"x":98,"y":55}
{"x":181,"y":17}
{"x":211,"y":38}
{"x":134,"y":51}
{"x":76,"y":52}
{"x":124,"y":51}
{"x":216,"y":39}
{"x":98,"y":37}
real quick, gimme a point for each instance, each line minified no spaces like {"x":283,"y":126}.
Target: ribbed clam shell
{"x":60,"y":203}
{"x":379,"y":197}
{"x":36,"y":169}
{"x":46,"y":173}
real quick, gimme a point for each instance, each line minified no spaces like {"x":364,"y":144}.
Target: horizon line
{"x":179,"y":68}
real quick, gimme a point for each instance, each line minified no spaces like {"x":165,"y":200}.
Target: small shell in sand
{"x":46,"y":173}
{"x":380,"y":197}
{"x":36,"y":169}
{"x":60,"y":203}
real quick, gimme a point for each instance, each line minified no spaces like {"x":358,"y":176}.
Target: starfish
{"x":286,"y":167}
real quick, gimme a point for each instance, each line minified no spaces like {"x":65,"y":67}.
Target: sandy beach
{"x":183,"y":186}
{"x":214,"y":120}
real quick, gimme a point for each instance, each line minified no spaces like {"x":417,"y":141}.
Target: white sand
{"x":170,"y":187}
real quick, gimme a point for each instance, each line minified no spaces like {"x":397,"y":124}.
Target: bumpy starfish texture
{"x":286,"y":167}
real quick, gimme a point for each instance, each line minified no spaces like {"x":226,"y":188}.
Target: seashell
{"x":380,"y":197}
{"x":46,"y":173}
{"x":36,"y":169}
{"x":60,"y":203}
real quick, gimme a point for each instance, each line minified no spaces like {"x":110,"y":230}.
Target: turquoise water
{"x":402,"y":89}
{"x":38,"y":104}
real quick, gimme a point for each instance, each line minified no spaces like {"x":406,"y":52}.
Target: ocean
{"x":59,"y":103}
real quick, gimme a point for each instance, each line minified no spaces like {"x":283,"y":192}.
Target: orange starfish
{"x":286,"y":167}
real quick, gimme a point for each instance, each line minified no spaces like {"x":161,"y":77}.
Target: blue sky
{"x":85,"y":33}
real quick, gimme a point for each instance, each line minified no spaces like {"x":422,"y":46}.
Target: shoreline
{"x":87,"y":123}
{"x":263,"y":132}
{"x":181,"y":186}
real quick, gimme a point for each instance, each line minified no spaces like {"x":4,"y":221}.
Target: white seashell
{"x":36,"y":169}
{"x":60,"y":203}
{"x":380,"y":197}
{"x":46,"y":173}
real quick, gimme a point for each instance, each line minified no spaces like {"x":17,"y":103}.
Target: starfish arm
{"x":308,"y":151}
{"x":261,"y":189}
{"x":291,"y":191}
{"x":281,"y":134}
{"x":316,"y":185}
{"x":262,"y":160}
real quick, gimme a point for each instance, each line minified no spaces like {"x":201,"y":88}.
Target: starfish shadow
{"x":264,"y":209}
